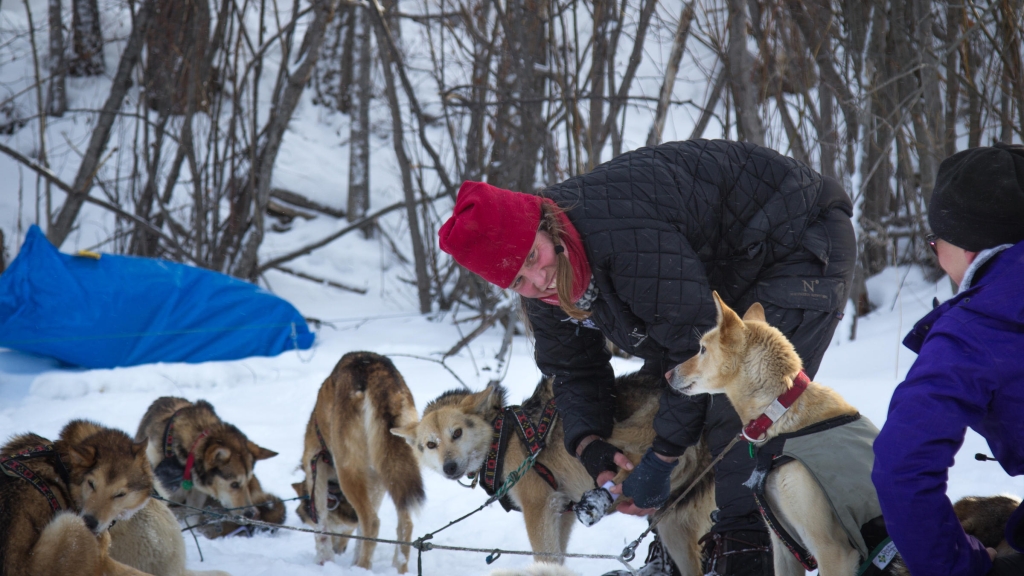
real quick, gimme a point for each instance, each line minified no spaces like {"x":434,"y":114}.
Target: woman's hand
{"x":622,"y":462}
{"x":600,"y":457}
{"x":649,"y":485}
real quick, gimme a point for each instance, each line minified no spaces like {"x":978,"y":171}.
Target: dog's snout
{"x":250,"y":513}
{"x":450,"y":468}
{"x":90,"y":522}
{"x":668,"y":375}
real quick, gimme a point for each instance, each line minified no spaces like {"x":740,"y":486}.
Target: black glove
{"x":650,"y":482}
{"x":599,"y":456}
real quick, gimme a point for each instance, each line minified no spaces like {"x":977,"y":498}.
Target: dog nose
{"x":450,"y":468}
{"x":250,"y":513}
{"x":668,"y":375}
{"x":90,"y":522}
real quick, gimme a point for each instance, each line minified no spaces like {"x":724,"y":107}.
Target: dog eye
{"x":236,"y":485}
{"x":703,"y":349}
{"x":457,"y":434}
{"x":431,"y":445}
{"x":120,"y":495}
{"x":91,"y":485}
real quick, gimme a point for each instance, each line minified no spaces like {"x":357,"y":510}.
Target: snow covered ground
{"x":270,"y":400}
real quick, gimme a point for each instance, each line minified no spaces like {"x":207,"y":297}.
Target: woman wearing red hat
{"x":631,"y":252}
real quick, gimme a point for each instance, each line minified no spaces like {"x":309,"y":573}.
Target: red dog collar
{"x":756,"y":430}
{"x":186,"y":482}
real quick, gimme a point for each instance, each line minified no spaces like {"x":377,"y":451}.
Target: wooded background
{"x":520,"y":93}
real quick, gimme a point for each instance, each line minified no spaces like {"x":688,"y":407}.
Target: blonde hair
{"x":564,"y":277}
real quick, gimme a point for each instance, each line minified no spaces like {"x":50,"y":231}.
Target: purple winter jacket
{"x":969,"y":373}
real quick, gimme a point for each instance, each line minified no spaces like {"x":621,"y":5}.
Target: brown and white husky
{"x":455,"y":435}
{"x":349,"y":444}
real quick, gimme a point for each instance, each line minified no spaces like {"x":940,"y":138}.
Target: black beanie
{"x":978,"y":201}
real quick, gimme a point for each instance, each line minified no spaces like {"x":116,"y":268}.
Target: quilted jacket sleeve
{"x":578,"y":360}
{"x":947,"y":390}
{"x":657,"y":273}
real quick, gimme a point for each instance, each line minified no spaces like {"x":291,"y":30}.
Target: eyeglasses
{"x":931,"y":239}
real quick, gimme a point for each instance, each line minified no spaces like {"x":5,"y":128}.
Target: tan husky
{"x":455,"y":435}
{"x":151,"y":541}
{"x":753,"y":364}
{"x":58,"y":499}
{"x":196,"y":456}
{"x":348,"y":443}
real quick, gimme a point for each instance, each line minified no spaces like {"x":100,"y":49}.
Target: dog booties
{"x":838,"y":453}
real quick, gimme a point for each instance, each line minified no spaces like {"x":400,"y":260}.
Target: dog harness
{"x":845,"y":481}
{"x":13,"y":467}
{"x":533,"y":436}
{"x":190,"y":460}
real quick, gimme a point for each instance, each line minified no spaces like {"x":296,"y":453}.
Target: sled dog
{"x":754,"y":365}
{"x":197,"y":457}
{"x":151,"y":541}
{"x":985,"y":518}
{"x":58,"y":500}
{"x":348,"y":443}
{"x":457,"y":431}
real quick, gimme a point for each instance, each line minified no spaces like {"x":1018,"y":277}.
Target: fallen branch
{"x":331,"y":283}
{"x":353,"y":226}
{"x":286,"y":213}
{"x":303,"y":202}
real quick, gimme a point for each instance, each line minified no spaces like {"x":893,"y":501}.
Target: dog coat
{"x":838,"y":453}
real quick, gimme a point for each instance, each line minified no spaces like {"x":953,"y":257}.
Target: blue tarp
{"x":123,"y":311}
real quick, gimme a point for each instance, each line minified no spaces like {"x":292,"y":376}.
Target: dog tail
{"x":393,"y":456}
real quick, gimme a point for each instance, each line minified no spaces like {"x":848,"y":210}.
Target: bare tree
{"x":739,"y":64}
{"x":57,"y":100}
{"x":361,"y":91}
{"x":87,"y":39}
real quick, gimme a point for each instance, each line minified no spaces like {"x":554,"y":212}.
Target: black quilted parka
{"x":662,"y":228}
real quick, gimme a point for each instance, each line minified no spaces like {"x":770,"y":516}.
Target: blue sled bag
{"x":123,"y":311}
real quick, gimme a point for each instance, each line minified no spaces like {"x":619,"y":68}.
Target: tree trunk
{"x":739,"y":64}
{"x":57,"y":98}
{"x":603,"y":16}
{"x":101,"y":132}
{"x":877,"y":167}
{"x":280,"y":115}
{"x":678,"y":47}
{"x":359,"y":142}
{"x":483,"y":54}
{"x":87,"y":39}
{"x":176,"y":49}
{"x":389,"y":58}
{"x":519,"y":127}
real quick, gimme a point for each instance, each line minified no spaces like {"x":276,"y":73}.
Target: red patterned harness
{"x":533,"y":436}
{"x":12,"y":466}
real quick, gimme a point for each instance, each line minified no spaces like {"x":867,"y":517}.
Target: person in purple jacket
{"x":969,"y":372}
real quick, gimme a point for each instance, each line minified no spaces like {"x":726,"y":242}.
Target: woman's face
{"x":536,"y":279}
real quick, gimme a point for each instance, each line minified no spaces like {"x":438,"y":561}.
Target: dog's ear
{"x":485,"y":403}
{"x":408,"y":432}
{"x":218,"y":455}
{"x":139,"y":448}
{"x":258,"y":452}
{"x":754,"y":313}
{"x":728,"y":321}
{"x":300,"y":489}
{"x":82,"y":456}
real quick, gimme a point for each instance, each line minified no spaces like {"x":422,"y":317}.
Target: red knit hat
{"x":491,"y":231}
